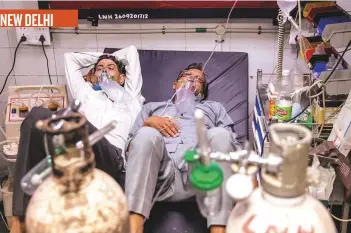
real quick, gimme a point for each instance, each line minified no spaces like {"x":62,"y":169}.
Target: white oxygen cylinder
{"x":283,"y":204}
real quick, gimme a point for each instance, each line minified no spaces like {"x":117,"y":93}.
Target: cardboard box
{"x":341,"y":132}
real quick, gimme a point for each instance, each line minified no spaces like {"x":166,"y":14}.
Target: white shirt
{"x":96,"y":106}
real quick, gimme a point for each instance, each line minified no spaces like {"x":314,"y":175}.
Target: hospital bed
{"x":227,"y":75}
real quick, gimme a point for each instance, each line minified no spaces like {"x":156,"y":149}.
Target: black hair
{"x":197,"y":66}
{"x":120,"y":66}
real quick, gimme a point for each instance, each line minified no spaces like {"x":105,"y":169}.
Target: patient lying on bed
{"x":162,"y":132}
{"x":100,"y":108}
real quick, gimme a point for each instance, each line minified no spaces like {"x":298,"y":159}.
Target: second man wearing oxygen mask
{"x":162,"y":132}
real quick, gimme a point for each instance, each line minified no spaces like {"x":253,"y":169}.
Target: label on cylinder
{"x":263,"y":214}
{"x":252,"y":223}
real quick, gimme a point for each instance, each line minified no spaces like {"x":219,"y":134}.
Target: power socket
{"x":33,"y":35}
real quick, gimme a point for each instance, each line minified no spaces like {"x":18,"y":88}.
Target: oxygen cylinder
{"x":77,"y":197}
{"x":282,"y":204}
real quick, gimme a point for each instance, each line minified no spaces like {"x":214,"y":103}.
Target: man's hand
{"x":163,"y":124}
{"x":90,"y":77}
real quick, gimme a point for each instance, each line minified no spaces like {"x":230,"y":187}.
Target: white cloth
{"x":322,"y":187}
{"x":96,"y":106}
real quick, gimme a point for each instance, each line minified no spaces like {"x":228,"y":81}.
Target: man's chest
{"x":185,"y":121}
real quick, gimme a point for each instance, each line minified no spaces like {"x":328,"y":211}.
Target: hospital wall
{"x":31,"y":68}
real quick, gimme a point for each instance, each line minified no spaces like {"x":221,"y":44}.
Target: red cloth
{"x":159,"y":4}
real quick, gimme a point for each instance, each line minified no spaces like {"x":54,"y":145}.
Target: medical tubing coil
{"x":280,"y":47}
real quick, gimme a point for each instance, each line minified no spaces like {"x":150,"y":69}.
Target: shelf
{"x":344,"y":74}
{"x":338,"y":34}
{"x":339,"y":83}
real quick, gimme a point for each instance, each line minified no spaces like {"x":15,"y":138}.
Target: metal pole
{"x":345,"y":215}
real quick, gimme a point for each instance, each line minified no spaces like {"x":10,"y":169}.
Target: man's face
{"x":193,"y":75}
{"x":110,"y":67}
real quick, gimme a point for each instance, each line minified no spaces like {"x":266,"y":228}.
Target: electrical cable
{"x":23,"y":39}
{"x":264,"y":139}
{"x":346,"y":50}
{"x":339,"y":219}
{"x":47,"y":60}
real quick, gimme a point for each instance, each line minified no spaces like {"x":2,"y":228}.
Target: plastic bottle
{"x":296,"y":107}
{"x":305,"y":118}
{"x":296,"y":76}
{"x":272,"y":96}
{"x":284,"y":99}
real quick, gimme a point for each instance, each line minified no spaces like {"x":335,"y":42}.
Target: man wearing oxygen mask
{"x":119,"y":77}
{"x":162,"y":132}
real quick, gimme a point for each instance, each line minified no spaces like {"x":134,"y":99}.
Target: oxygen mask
{"x":113,"y":90}
{"x":185,"y":97}
{"x":198,"y":92}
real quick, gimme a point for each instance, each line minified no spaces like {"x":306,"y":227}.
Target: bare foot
{"x":136,"y":223}
{"x":15,"y":225}
{"x":217,"y":229}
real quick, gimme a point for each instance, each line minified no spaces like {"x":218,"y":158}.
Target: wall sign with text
{"x":122,"y":16}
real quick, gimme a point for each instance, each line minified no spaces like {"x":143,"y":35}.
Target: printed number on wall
{"x":123,"y":16}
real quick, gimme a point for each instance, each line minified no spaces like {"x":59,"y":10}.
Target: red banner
{"x":38,"y":18}
{"x":159,"y":4}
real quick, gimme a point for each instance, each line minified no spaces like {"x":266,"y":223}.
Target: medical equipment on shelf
{"x":282,"y":204}
{"x":341,"y":132}
{"x":21,"y":99}
{"x":77,"y":197}
{"x":43,"y":170}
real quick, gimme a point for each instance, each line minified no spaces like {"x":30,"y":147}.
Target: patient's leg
{"x":221,"y":141}
{"x":31,"y":151}
{"x":148,"y":168}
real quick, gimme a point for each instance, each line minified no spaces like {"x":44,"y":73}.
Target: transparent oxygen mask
{"x":36,"y":176}
{"x":185,"y":97}
{"x":114,"y":90}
